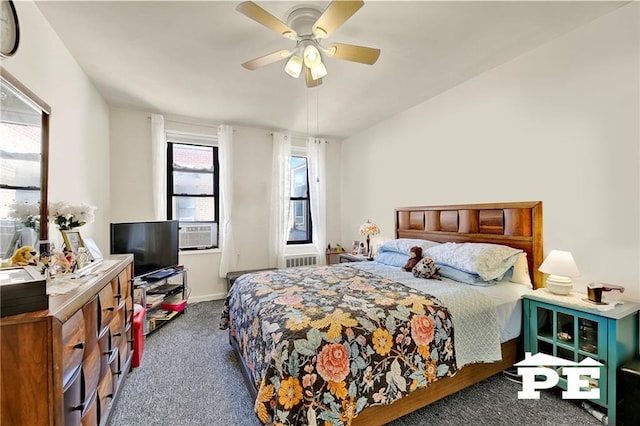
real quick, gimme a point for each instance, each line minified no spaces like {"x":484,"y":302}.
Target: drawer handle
{"x":79,"y":345}
{"x":130,"y":341}
{"x":117,"y":296}
{"x":108,"y":352}
{"x":117,"y":334}
{"x":78,"y":408}
{"x":111,"y":308}
{"x":117,"y":373}
{"x":109,"y":396}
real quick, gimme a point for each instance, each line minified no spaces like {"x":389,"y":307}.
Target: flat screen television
{"x":154,"y":244}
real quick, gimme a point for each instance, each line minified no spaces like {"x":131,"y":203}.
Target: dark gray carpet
{"x":190,"y":375}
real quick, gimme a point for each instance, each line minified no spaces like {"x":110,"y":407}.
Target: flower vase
{"x":28,"y":237}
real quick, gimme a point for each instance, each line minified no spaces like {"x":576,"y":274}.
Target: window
{"x":300,"y":206}
{"x":192,"y":186}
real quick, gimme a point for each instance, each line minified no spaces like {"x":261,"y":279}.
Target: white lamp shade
{"x":294,"y":66}
{"x":311,"y":56}
{"x":560,"y":263}
{"x":318,"y":71}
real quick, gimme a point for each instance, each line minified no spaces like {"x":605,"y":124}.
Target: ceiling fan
{"x":309,"y":26}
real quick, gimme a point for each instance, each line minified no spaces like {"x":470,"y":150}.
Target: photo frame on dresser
{"x":94,"y":252}
{"x":72,"y":241}
{"x":355,"y":248}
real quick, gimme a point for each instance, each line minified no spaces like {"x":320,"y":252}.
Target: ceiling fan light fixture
{"x":311,"y":56}
{"x":294,"y":66}
{"x":319,"y":32}
{"x":331,"y":50}
{"x":318,"y":71}
{"x":290,"y":35}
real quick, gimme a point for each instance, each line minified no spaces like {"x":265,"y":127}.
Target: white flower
{"x":67,"y":216}
{"x":26,"y":213}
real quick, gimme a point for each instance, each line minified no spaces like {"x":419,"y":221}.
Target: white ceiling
{"x":183,"y":59}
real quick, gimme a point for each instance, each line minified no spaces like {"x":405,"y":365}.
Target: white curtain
{"x":225,"y":160}
{"x":158,"y":167}
{"x":316,"y":149}
{"x":280,"y":214}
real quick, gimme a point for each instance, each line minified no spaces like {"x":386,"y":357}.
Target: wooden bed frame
{"x":516,"y":224}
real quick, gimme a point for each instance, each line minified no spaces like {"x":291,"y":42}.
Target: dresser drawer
{"x":117,"y":328}
{"x":73,"y":345}
{"x":107,"y":305}
{"x":121,"y":286}
{"x":90,"y":415}
{"x":116,"y":370}
{"x":91,"y":359}
{"x":105,"y":397}
{"x":73,"y":403}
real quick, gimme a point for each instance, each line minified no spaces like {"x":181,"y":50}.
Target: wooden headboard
{"x":515,"y":224}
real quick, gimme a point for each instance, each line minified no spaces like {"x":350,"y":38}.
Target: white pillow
{"x":490,"y":261}
{"x":521,"y":271}
{"x":403,"y":245}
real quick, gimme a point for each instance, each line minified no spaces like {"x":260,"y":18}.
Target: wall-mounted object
{"x":9,"y":30}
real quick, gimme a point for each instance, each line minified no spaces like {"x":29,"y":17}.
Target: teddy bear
{"x":415,"y":254}
{"x":25,"y":255}
{"x":426,"y":268}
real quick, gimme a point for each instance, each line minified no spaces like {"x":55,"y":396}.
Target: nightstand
{"x":346,"y":257}
{"x":570,"y":328}
{"x":234,"y":275}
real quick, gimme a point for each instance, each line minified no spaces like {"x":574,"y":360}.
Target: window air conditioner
{"x":198,"y":235}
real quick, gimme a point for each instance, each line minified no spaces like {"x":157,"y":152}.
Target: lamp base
{"x":559,"y":285}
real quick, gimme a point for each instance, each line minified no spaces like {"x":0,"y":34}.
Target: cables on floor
{"x":512,"y":375}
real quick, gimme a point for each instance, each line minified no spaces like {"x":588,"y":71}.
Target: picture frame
{"x":356,"y":247}
{"x":92,"y":248}
{"x":72,"y":241}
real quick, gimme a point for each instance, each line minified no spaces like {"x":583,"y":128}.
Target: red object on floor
{"x":178,"y":307}
{"x":138,"y":335}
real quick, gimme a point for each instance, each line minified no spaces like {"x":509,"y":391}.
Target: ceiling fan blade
{"x":334,"y":16}
{"x":309,"y":79}
{"x":266,"y":59}
{"x":350,"y":52}
{"x":261,"y":16}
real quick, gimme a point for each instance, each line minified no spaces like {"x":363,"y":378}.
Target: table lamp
{"x":561,"y":267}
{"x":369,"y":229}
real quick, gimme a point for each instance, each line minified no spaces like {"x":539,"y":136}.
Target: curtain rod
{"x":190,"y":124}
{"x":300,"y":135}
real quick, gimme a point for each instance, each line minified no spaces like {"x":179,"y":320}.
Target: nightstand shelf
{"x":346,"y":257}
{"x":568,"y":328}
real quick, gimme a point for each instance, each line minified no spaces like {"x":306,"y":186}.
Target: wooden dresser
{"x":65,"y":365}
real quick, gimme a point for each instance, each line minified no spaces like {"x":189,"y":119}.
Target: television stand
{"x":158,"y":275}
{"x":163,"y":297}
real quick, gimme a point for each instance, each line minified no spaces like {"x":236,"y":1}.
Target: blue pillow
{"x":462,"y":276}
{"x":392,"y":258}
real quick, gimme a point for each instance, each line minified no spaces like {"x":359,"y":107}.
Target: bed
{"x":365,"y":344}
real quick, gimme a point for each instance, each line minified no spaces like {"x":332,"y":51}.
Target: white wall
{"x":558,"y":124}
{"x":79,"y":123}
{"x":252,"y":152}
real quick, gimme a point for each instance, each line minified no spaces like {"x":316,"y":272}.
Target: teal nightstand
{"x":570,"y":328}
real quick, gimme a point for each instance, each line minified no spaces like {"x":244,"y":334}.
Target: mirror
{"x":24,"y":146}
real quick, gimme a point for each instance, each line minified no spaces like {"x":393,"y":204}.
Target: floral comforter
{"x":324,"y":343}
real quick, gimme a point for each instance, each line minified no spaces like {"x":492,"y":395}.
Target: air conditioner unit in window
{"x":198,"y":235}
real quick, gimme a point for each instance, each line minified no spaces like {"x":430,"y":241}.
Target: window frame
{"x":309,"y":239}
{"x":216,"y":187}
